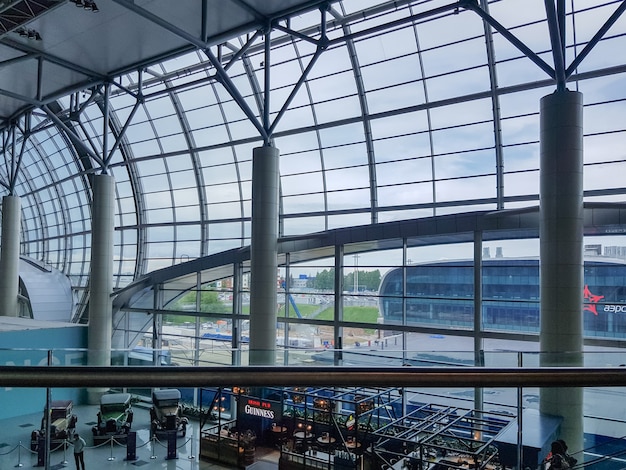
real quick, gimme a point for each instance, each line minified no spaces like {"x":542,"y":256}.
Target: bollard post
{"x":65,"y":446}
{"x":131,"y":446}
{"x":111,"y":457}
{"x":171,"y":445}
{"x":153,"y":446}
{"x":41,"y":452}
{"x":19,"y":455}
{"x":191,"y":456}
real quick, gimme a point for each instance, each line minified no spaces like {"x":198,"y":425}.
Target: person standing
{"x":556,"y":460}
{"x":79,"y":448}
{"x":570,"y":460}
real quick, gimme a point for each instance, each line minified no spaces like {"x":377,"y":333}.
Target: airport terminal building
{"x":442,"y":293}
{"x":172,"y":172}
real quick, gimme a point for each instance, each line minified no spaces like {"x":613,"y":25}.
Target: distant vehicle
{"x":115,"y":418}
{"x":166,"y":413}
{"x":62,"y":425}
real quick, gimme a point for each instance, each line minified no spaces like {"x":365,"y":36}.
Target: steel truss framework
{"x":53,"y":144}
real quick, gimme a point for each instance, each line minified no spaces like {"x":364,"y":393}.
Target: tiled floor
{"x":15,"y":447}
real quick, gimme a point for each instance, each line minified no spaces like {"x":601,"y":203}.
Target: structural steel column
{"x":561,"y":254}
{"x":263,"y":256}
{"x":10,"y":256}
{"x":338,"y":301}
{"x":479,"y":356}
{"x":101,"y":278}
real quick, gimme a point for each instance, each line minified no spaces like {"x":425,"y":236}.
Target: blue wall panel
{"x":29,"y":347}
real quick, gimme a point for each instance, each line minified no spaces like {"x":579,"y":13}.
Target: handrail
{"x":147,"y":376}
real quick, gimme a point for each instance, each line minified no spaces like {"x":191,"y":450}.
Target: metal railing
{"x":148,"y":376}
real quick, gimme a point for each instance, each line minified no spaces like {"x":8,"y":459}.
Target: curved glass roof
{"x":381,"y":111}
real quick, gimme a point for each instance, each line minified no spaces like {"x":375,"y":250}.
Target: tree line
{"x":325,"y":280}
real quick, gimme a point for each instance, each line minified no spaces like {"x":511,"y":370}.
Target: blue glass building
{"x":442,"y":294}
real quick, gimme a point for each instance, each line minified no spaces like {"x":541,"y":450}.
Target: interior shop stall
{"x":436,"y":437}
{"x":352,"y":428}
{"x":226,"y":433}
{"x":329,"y":424}
{"x":331,"y":428}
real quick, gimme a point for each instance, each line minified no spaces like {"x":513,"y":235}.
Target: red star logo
{"x":593,"y":300}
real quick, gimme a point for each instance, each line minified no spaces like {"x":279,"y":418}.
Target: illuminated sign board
{"x":593,"y":302}
{"x":260,"y":408}
{"x":615,"y":308}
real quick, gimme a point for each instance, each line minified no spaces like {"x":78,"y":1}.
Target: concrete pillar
{"x":263,"y":256}
{"x":101,"y":278}
{"x":10,"y":256}
{"x":561,"y":254}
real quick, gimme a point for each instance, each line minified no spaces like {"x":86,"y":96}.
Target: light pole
{"x":356,"y":273}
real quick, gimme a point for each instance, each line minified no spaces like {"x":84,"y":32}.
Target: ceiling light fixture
{"x":29,"y":34}
{"x":88,"y":5}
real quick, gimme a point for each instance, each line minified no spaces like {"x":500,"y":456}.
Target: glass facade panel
{"x":394,"y":121}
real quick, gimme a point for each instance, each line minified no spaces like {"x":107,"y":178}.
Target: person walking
{"x":79,"y":448}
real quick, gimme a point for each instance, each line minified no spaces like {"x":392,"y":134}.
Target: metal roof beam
{"x":76,"y":140}
{"x":399,"y":22}
{"x":558,"y":47}
{"x":222,"y":76}
{"x":51,"y":58}
{"x":511,"y":38}
{"x":14,"y":14}
{"x":596,"y":38}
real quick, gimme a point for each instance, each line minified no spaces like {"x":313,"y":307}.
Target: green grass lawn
{"x":356,"y":314}
{"x":306,"y":310}
{"x":350,"y":314}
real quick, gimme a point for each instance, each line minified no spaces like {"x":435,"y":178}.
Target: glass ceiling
{"x":413,"y":110}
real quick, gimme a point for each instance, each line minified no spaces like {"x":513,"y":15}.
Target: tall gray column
{"x":263,"y":256}
{"x":561,"y":254}
{"x":10,"y":256}
{"x":101,"y":277}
